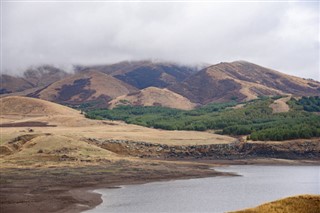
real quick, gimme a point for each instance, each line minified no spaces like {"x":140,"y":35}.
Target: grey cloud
{"x":283,"y":36}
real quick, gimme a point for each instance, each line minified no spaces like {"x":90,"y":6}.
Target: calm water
{"x":258,"y":184}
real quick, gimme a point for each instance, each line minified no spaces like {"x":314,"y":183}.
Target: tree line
{"x":254,"y":119}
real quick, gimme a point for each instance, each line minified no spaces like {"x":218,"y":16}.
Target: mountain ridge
{"x":223,"y":82}
{"x":84,"y":87}
{"x":240,"y":81}
{"x":143,"y":74}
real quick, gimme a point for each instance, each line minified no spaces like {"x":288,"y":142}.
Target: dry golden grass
{"x":70,"y":122}
{"x":101,"y":83}
{"x":238,"y":106}
{"x":257,"y":79}
{"x":152,"y":96}
{"x":296,"y":204}
{"x":47,"y":149}
{"x":121,"y":131}
{"x":32,"y":107}
{"x":70,"y":132}
{"x":247,"y":88}
{"x":280,"y":105}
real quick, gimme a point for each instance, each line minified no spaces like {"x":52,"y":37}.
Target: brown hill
{"x":241,"y":80}
{"x":153,"y":96}
{"x":10,"y":84}
{"x":16,"y":105}
{"x":18,"y":111}
{"x":143,"y":74}
{"x":84,"y":87}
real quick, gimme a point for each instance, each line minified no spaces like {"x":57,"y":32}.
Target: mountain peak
{"x":242,"y":80}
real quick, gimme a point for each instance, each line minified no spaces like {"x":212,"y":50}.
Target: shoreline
{"x":97,"y":197}
{"x":218,"y":163}
{"x":70,"y":190}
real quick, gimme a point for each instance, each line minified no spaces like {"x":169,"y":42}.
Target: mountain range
{"x":150,"y":83}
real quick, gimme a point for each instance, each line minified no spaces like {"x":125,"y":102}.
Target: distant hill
{"x":84,"y":87}
{"x":35,"y":77}
{"x":239,"y":81}
{"x":44,"y":75}
{"x":17,"y":105}
{"x":153,"y":96}
{"x":10,"y":84}
{"x":143,"y":74}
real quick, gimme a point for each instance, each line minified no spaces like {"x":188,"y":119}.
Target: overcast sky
{"x":280,"y":35}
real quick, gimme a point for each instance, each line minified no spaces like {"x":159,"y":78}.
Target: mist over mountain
{"x":188,"y":33}
{"x":143,"y":74}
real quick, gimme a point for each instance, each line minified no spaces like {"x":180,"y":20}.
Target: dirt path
{"x":280,"y":105}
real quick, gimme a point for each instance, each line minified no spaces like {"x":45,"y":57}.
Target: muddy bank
{"x":66,"y":189}
{"x":294,"y":150}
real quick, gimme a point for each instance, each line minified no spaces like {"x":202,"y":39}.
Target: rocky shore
{"x":294,"y":150}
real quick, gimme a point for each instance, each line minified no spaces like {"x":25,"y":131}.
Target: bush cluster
{"x":255,"y":119}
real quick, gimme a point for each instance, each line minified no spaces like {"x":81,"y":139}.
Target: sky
{"x":280,"y":35}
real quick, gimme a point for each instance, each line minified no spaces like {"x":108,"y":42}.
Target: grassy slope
{"x":69,"y":134}
{"x":297,"y":204}
{"x":153,"y":96}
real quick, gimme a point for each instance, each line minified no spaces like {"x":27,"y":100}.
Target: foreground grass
{"x":297,"y":204}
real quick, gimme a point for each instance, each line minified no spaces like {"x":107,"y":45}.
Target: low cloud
{"x":282,"y":36}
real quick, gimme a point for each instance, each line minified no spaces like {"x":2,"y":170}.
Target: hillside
{"x":153,"y":96}
{"x":143,"y":74}
{"x":10,"y":84}
{"x":29,"y":125}
{"x":240,"y":81}
{"x":84,"y":88}
{"x":38,"y":132}
{"x":25,"y":106}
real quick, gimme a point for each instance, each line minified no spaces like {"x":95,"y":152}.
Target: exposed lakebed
{"x":258,"y":184}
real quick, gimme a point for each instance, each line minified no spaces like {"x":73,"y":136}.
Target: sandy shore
{"x":69,"y":190}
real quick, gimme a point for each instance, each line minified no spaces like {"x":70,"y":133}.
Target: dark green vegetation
{"x":255,"y":119}
{"x":309,"y":104}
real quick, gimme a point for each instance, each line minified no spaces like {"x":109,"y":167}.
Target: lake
{"x":258,"y":184}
